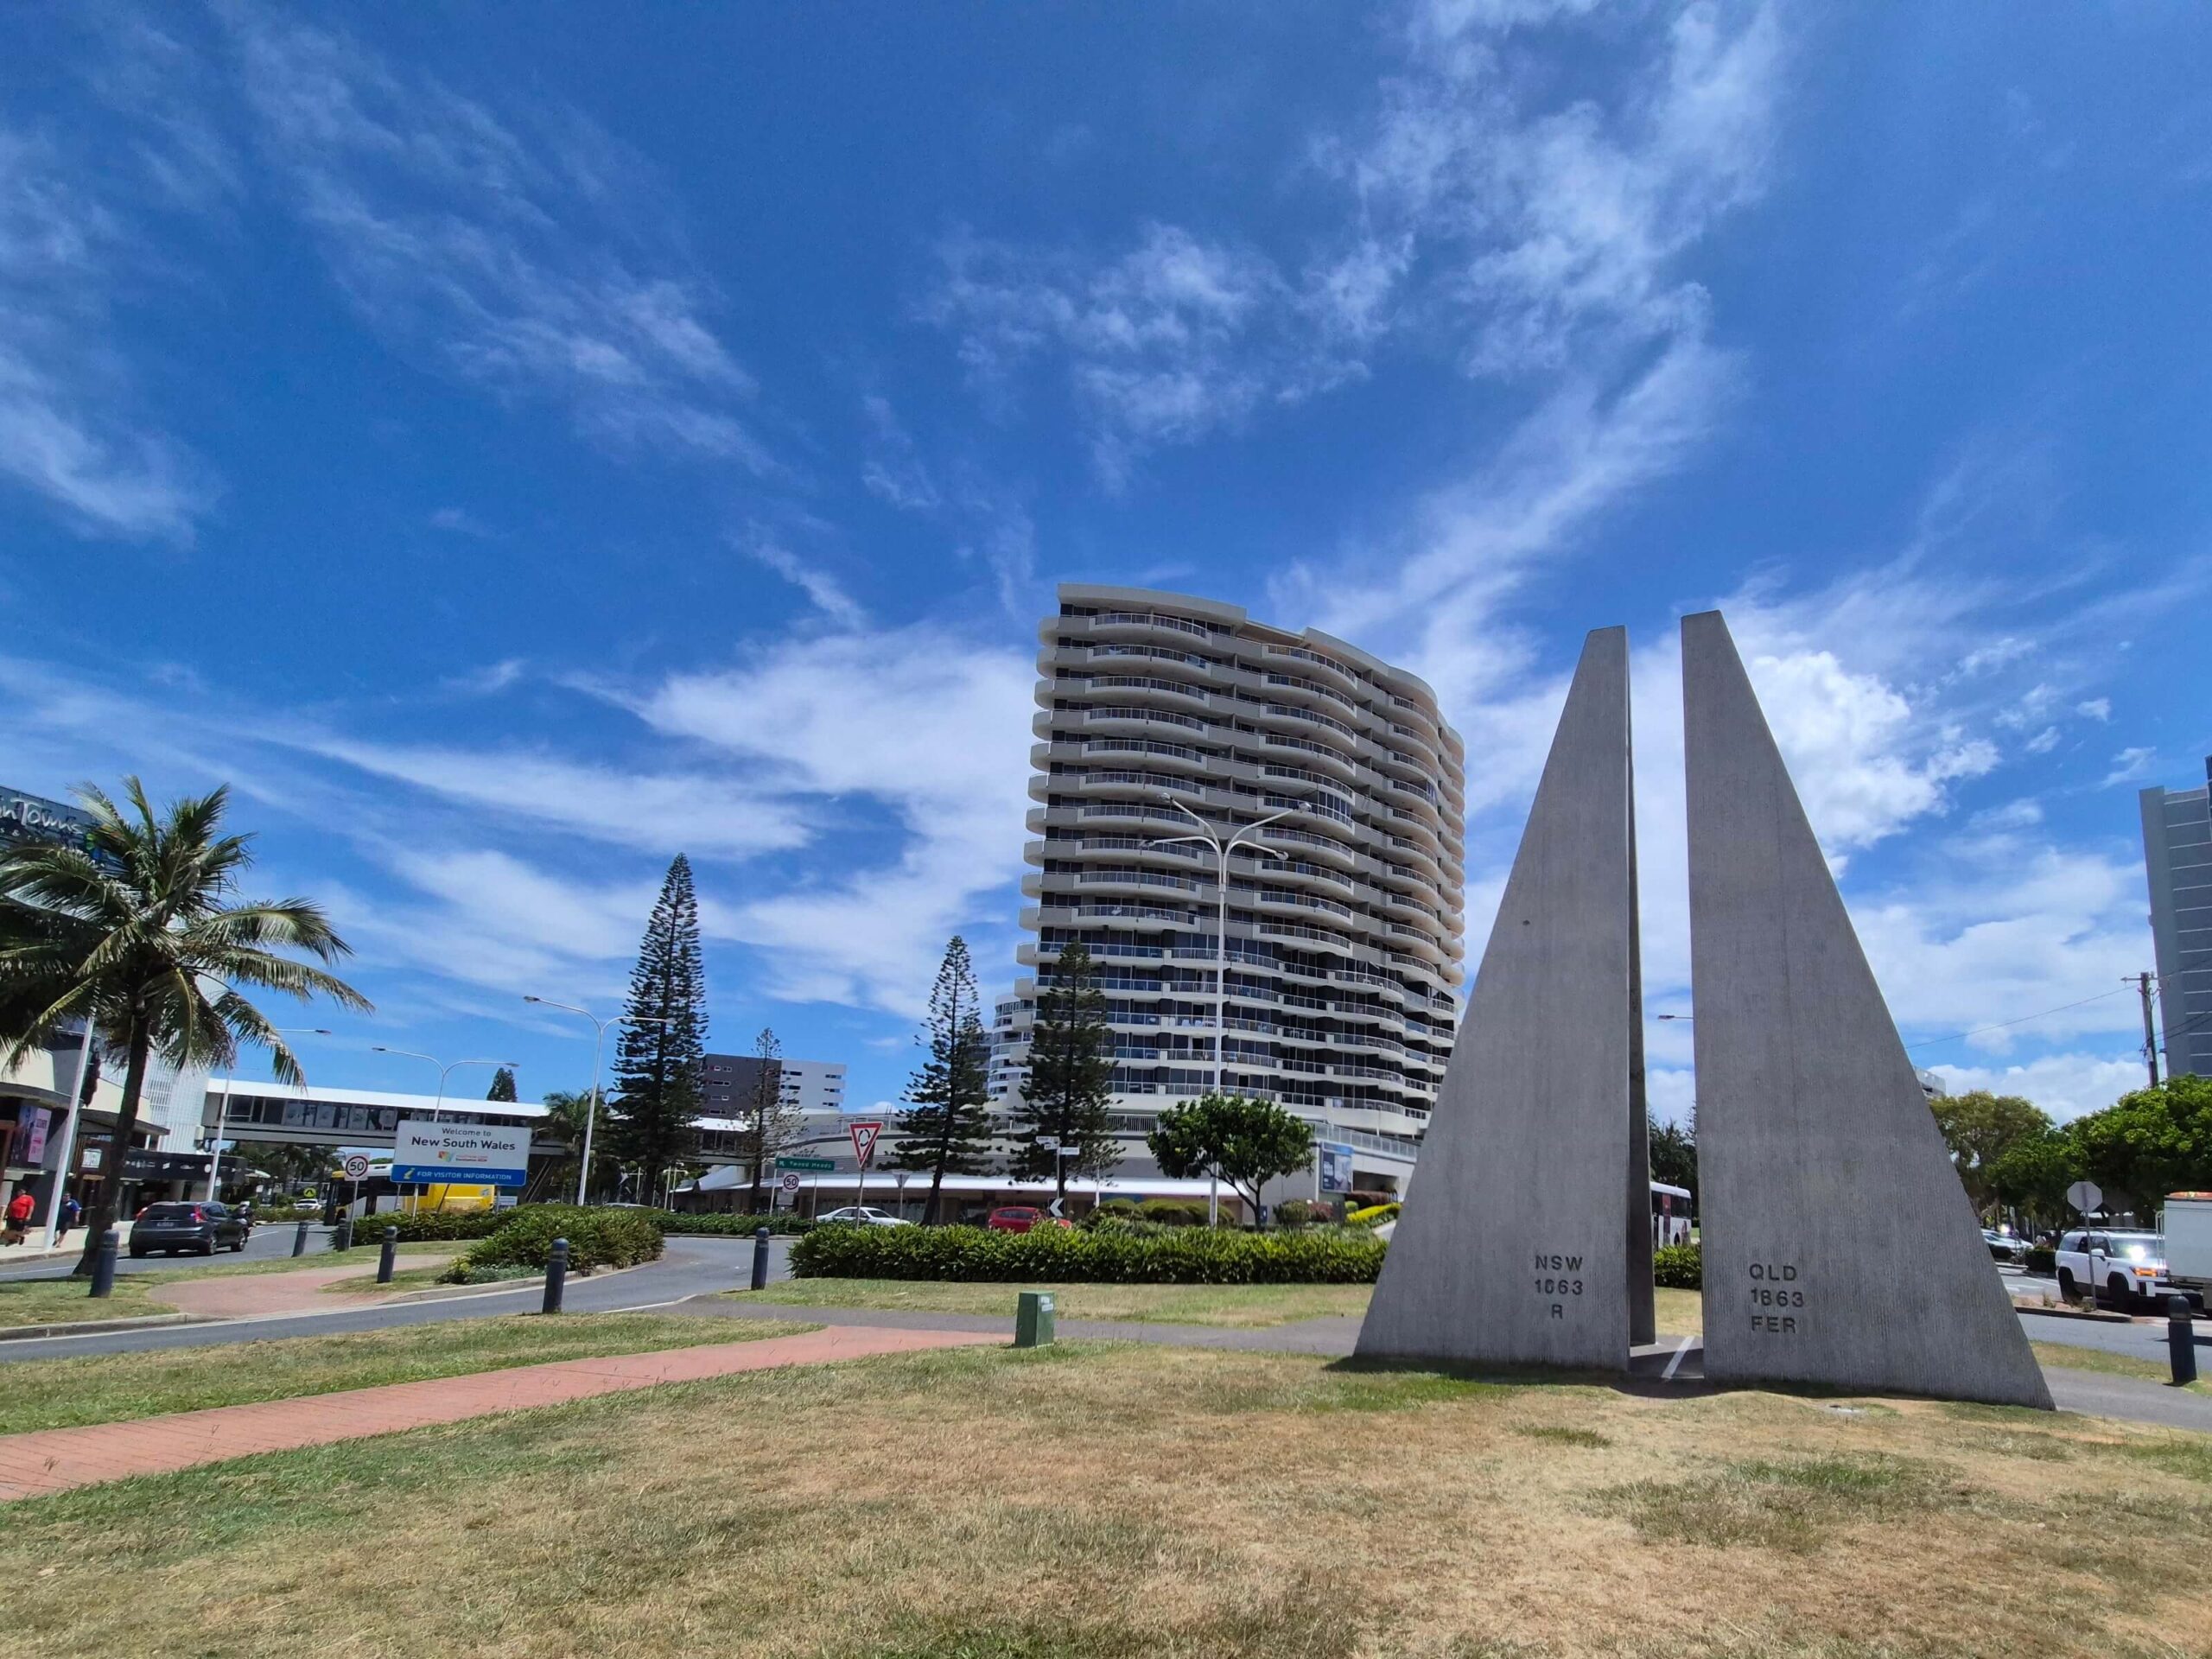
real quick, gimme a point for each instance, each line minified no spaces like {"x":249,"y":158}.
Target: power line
{"x":1938,"y":1042}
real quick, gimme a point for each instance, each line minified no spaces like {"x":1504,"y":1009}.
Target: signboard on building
{"x":496,"y":1155}
{"x":1336,"y":1167}
{"x":37,"y":1118}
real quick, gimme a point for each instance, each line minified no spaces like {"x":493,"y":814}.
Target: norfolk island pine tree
{"x":654,"y":1109}
{"x":503,"y":1085}
{"x":1067,"y":1090}
{"x":945,"y":1127}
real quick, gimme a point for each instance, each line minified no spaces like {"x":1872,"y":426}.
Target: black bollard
{"x":759,"y":1258}
{"x":387,"y":1257}
{"x":557,"y":1276}
{"x":2181,"y":1340}
{"x":299,"y":1240}
{"x":103,"y":1264}
{"x":341,"y":1237}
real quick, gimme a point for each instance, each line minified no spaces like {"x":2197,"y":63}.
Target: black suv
{"x":202,"y":1228}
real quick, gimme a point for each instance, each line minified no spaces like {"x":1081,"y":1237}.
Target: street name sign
{"x":811,"y":1166}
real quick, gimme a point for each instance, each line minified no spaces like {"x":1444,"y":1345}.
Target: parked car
{"x":202,"y":1228}
{"x":2113,"y":1265}
{"x":1020,"y":1218}
{"x":2003,"y":1247}
{"x":866,"y":1215}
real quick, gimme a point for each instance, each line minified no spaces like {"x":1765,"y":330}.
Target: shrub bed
{"x":432,"y":1225}
{"x":2041,"y":1258}
{"x":1184,"y":1255}
{"x":597,"y":1239}
{"x":728,"y":1224}
{"x":1373,"y":1215}
{"x":1678,"y":1267}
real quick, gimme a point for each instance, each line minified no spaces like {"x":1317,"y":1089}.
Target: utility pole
{"x":2149,"y":1033}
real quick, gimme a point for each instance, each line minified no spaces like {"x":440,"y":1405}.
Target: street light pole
{"x":598,"y":1043}
{"x":223,"y":1107}
{"x":1222,"y":850}
{"x":78,"y":1106}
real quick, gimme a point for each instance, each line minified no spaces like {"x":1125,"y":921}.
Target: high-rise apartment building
{"x":2177,"y":858}
{"x":728,"y":1081}
{"x":1345,"y":915}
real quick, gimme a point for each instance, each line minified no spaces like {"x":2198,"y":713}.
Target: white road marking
{"x":1676,"y":1361}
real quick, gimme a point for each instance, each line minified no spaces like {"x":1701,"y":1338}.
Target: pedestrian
{"x":71,"y":1212}
{"x":19,"y":1217}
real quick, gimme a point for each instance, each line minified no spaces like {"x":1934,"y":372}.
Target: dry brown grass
{"x":1124,"y":1501}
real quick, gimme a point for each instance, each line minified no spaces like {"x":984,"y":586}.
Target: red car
{"x":1020,"y":1218}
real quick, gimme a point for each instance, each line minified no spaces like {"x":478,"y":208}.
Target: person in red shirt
{"x":19,"y":1217}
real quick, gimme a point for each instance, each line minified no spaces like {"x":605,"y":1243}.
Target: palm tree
{"x":566,"y":1114}
{"x":136,"y":928}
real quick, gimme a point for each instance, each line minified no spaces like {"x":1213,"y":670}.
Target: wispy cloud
{"x":2131,"y":766}
{"x":821,"y":588}
{"x":72,"y":430}
{"x":517,"y":251}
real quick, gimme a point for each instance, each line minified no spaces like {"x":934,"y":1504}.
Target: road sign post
{"x":2085,"y":1196}
{"x":864,"y":1137}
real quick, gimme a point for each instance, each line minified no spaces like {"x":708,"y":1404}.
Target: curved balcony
{"x":1142,"y":688}
{"x":1170,"y":754}
{"x":1307,"y":938}
{"x":1135,"y":878}
{"x":1291,"y":686}
{"x":1313,"y":662}
{"x":1144,"y":625}
{"x":1125,"y":715}
{"x":1341,"y":767}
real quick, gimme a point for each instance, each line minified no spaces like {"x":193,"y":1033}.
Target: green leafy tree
{"x":2149,"y":1143}
{"x":139,"y":929}
{"x":1247,"y":1142}
{"x":1067,"y":1095}
{"x":945,"y":1127}
{"x":1980,"y":1127}
{"x":654,"y":1112}
{"x":769,"y":1123}
{"x":503,"y":1085}
{"x":2032,"y":1174}
{"x":1673,"y":1152}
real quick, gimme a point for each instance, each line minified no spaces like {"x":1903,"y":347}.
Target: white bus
{"x":1670,"y":1215}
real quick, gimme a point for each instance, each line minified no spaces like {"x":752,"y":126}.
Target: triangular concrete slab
{"x":1510,"y":1248}
{"x":1839,"y":1249}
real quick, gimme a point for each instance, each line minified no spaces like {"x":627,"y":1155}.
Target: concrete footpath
{"x":53,"y":1460}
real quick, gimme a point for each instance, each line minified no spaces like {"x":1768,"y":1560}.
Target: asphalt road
{"x":270,"y":1243}
{"x":692,"y":1267}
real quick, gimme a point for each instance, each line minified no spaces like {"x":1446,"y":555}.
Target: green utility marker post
{"x":1032,"y":1320}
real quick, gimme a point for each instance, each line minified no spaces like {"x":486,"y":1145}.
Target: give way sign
{"x":863,"y":1140}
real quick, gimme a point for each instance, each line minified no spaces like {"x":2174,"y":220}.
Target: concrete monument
{"x":1840,"y":1248}
{"x":1511,"y":1247}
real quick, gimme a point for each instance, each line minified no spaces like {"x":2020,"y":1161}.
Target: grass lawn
{"x":1249,"y":1306}
{"x":109,"y":1387}
{"x":54,"y":1301}
{"x":1119,"y":1501}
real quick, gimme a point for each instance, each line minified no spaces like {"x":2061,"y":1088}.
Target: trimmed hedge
{"x":1373,"y":1216}
{"x":1678,"y":1267}
{"x":1189,"y":1255}
{"x":2040,"y":1258}
{"x":432,"y":1225}
{"x":729,"y":1224}
{"x":597,"y":1239}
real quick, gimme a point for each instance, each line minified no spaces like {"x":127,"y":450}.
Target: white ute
{"x":2112,"y":1264}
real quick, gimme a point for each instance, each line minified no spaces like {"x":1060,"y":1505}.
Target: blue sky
{"x":513,"y":446}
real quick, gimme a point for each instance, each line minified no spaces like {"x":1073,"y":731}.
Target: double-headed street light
{"x":446,"y":1069}
{"x":1222,"y":849}
{"x":598,"y":1048}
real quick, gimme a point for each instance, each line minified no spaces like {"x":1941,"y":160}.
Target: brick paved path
{"x":54,"y":1459}
{"x":291,"y":1290}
